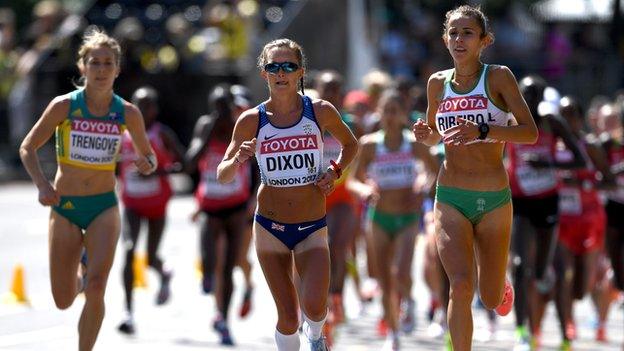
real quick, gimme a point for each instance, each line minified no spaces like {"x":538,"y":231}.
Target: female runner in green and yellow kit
{"x":89,"y":123}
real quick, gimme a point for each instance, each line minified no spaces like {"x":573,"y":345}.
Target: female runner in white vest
{"x":468,"y":107}
{"x":285,"y":134}
{"x":387,"y":174}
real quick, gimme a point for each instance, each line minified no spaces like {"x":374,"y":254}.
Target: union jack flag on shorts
{"x":279,"y":227}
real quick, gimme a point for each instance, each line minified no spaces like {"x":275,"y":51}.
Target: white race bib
{"x":138,"y":186}
{"x":570,"y":201}
{"x":216,"y":190}
{"x":536,"y":180}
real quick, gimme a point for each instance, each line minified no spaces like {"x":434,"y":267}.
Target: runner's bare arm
{"x":600,"y":160}
{"x":426,"y":131}
{"x":562,"y":130}
{"x":242,"y":146}
{"x":201,"y":134}
{"x":146,"y":163}
{"x":53,"y":115}
{"x":329,"y":119}
{"x":173,"y":144}
{"x":432,"y":166}
{"x":357,"y":182}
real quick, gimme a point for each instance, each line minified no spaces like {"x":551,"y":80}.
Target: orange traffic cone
{"x":139,"y":266}
{"x":199,"y":271}
{"x":17,"y":295}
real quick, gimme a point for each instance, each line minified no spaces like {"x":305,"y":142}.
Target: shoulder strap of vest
{"x":447,"y":83}
{"x":74,"y":102}
{"x":263,"y":120}
{"x":308,"y":108}
{"x":117,"y":110}
{"x":482,"y":78}
{"x":380,"y":142}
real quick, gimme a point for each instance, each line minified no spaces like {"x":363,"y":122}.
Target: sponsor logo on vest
{"x":291,"y":143}
{"x":307,"y":128}
{"x":268,"y":137}
{"x":394,"y":157}
{"x":472,"y":108}
{"x":101,"y":127}
{"x":463,"y":103}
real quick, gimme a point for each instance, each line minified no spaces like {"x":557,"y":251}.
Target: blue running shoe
{"x":220,"y":326}
{"x":318,"y":344}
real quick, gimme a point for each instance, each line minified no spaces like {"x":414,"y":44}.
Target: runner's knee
{"x":491,"y":298}
{"x":63,"y":300}
{"x":462,"y":288}
{"x":96,"y":285}
{"x":287,"y":323}
{"x":315,"y":307}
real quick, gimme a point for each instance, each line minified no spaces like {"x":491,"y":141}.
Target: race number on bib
{"x":535,"y":181}
{"x":570,"y":201}
{"x":216,"y":190}
{"x":138,"y":186}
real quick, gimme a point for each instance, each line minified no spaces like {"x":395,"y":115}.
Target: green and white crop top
{"x":474,"y":105}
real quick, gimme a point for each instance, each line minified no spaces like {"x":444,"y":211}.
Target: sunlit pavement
{"x":185,"y":323}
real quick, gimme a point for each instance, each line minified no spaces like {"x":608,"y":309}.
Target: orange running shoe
{"x":508,"y":300}
{"x":328,"y":331}
{"x":246,"y":305}
{"x":382,"y":327}
{"x":601,"y":333}
{"x":337,"y":309}
{"x":570,"y":330}
{"x":536,"y":339}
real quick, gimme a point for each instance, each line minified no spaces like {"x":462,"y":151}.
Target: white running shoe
{"x":391,"y":344}
{"x":522,"y":344}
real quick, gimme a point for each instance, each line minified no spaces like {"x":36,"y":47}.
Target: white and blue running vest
{"x":289,"y":156}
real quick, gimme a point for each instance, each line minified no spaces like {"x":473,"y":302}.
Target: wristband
{"x":151,"y":159}
{"x":336,"y":168}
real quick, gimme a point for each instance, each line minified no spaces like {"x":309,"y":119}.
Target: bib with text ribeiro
{"x":472,"y":108}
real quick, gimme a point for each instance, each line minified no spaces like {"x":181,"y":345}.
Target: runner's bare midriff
{"x":399,"y":201}
{"x":292,"y":204}
{"x":474,"y":167}
{"x":76,"y":181}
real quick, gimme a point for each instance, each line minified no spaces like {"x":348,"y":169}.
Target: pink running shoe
{"x":508,"y":299}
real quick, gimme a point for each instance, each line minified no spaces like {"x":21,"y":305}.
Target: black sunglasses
{"x":287,"y":67}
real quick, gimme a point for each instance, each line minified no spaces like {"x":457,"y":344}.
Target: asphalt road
{"x":185,"y":322}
